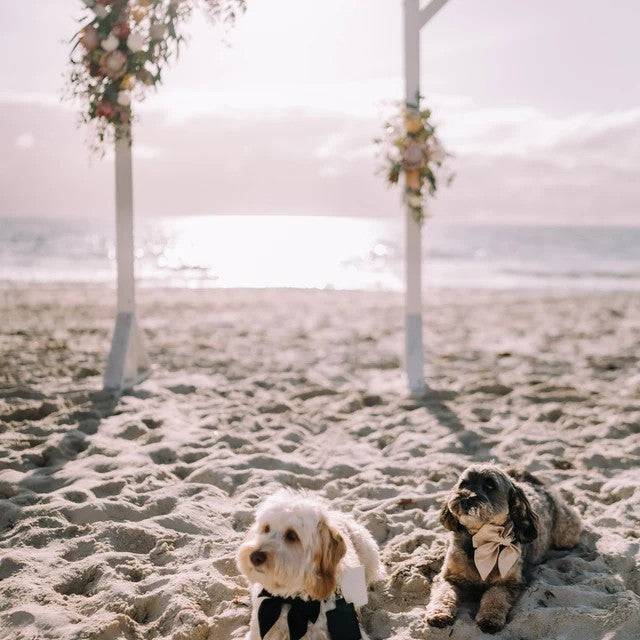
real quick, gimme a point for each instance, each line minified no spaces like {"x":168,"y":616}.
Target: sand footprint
{"x":165,"y":455}
{"x":128,"y":539}
{"x":108,"y":489}
{"x":81,"y":583}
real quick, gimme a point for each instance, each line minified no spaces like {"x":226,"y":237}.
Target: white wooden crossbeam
{"x":430,"y":10}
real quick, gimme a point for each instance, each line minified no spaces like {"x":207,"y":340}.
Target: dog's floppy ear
{"x":331,"y":548}
{"x":448,"y":520}
{"x":523,"y":517}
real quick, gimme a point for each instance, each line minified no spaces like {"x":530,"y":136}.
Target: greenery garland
{"x":410,"y":146}
{"x":120,"y":52}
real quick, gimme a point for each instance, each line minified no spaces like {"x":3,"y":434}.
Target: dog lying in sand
{"x":297,"y":555}
{"x":501,"y":524}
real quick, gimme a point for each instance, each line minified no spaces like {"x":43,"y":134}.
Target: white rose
{"x":110,"y":43}
{"x":136,"y":42}
{"x":157,"y":31}
{"x":101,"y":11}
{"x":124,"y":98}
{"x":414,"y":201}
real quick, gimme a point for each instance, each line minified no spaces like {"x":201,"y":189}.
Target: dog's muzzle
{"x":468,"y":502}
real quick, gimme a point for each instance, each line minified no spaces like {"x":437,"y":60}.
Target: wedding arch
{"x":124,"y":45}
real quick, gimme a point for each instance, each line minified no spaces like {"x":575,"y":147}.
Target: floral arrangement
{"x":411,"y":146}
{"x":121,"y":49}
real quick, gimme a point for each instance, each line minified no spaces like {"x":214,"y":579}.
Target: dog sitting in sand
{"x":501,"y":524}
{"x":299,"y":556}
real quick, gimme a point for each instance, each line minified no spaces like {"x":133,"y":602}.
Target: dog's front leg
{"x":495,"y":605}
{"x":443,"y":603}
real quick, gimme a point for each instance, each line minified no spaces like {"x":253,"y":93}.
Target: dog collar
{"x":342,"y":622}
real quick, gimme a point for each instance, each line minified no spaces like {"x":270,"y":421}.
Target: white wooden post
{"x":413,"y":241}
{"x":415,"y":18}
{"x":127,"y":363}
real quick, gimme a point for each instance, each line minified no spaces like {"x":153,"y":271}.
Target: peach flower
{"x":114,"y":64}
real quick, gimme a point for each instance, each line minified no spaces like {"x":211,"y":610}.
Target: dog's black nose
{"x":469,"y":501}
{"x":257,"y":558}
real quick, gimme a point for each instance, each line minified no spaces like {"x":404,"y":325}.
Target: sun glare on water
{"x":261,"y":251}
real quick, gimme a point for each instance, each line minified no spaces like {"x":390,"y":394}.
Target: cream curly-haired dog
{"x":295,"y":556}
{"x":501,"y":524}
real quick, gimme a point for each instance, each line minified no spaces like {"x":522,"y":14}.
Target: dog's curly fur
{"x":484,"y":494}
{"x":303,"y":547}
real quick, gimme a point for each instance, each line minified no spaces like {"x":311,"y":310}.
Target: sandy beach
{"x":120,"y":519}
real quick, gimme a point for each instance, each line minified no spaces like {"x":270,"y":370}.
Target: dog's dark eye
{"x":489,"y":484}
{"x":291,"y":536}
{"x":266,"y":528}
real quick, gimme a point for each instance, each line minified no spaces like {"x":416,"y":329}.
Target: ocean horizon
{"x":278,"y":251}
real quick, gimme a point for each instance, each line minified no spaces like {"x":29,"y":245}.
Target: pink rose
{"x":412,"y":156}
{"x":105,"y":110}
{"x":89,"y":38}
{"x":121,"y":30}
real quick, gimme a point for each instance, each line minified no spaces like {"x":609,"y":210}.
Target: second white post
{"x":414,"y":364}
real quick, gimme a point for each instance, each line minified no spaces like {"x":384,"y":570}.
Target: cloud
{"x":570,"y":141}
{"x":513,"y":164}
{"x":31,"y":98}
{"x":146,"y":152}
{"x":25,"y":141}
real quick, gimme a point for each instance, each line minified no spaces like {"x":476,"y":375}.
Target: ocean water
{"x":321,"y":252}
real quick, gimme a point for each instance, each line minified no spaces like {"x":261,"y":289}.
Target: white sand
{"x":121,"y":521}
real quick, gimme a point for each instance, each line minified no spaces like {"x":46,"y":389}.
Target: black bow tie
{"x":301,"y":613}
{"x":341,"y":621}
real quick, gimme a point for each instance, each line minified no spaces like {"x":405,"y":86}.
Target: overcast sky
{"x":539,"y":101}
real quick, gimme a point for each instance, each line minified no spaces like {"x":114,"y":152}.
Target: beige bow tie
{"x":494,"y":544}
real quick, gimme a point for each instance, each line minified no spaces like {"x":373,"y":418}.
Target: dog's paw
{"x":440,"y":618}
{"x":490,"y":625}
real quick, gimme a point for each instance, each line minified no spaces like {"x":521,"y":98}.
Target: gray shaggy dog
{"x":502,"y":523}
